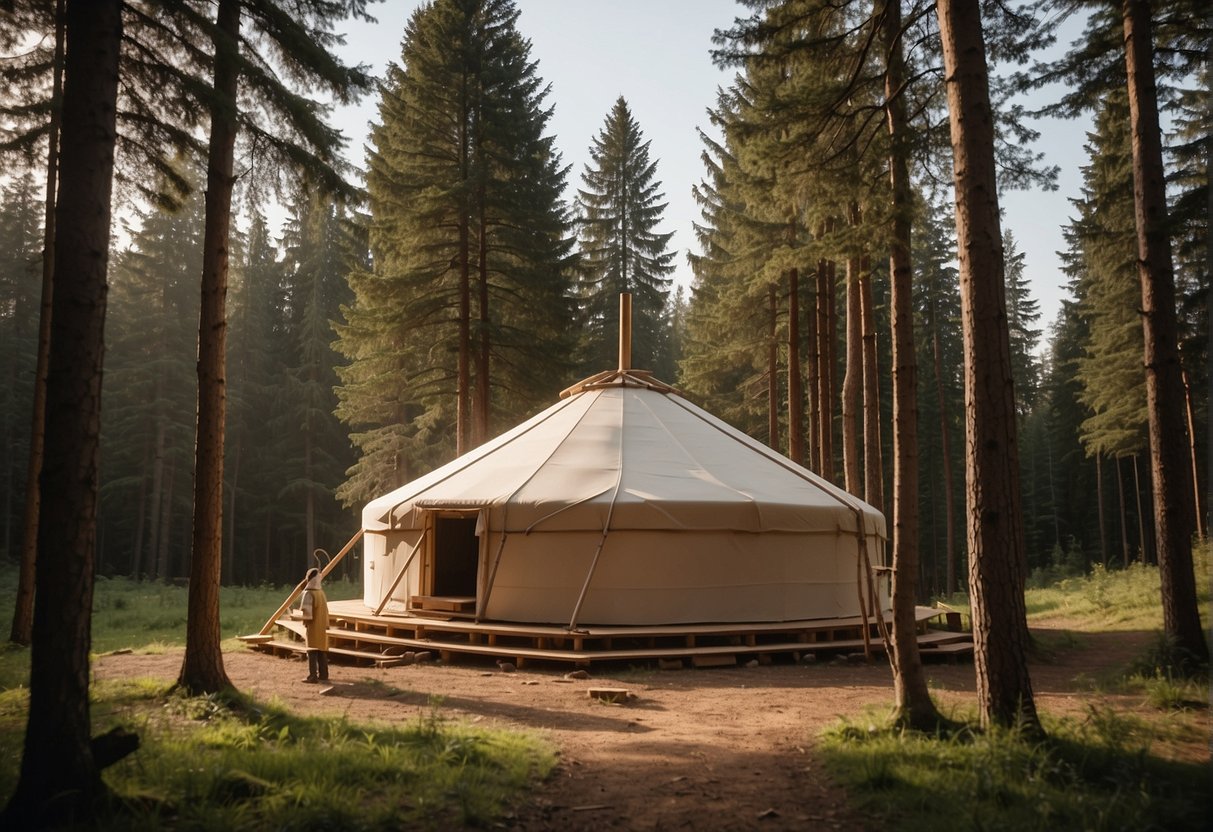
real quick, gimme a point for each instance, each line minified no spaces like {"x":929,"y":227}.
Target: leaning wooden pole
{"x":269,"y":625}
{"x":387,"y":596}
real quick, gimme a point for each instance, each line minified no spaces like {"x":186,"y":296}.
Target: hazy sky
{"x":655,"y":54}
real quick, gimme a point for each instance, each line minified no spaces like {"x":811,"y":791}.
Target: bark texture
{"x":202,"y":668}
{"x":795,"y":378}
{"x":994,"y":522}
{"x":59,"y":781}
{"x":873,"y":458}
{"x":1174,"y":518}
{"x":911,"y":695}
{"x":23,"y":608}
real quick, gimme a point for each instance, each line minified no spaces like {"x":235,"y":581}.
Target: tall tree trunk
{"x":912,"y":697}
{"x":852,"y":380}
{"x":773,"y":368}
{"x":202,"y":667}
{"x":823,"y":377}
{"x":795,"y":378}
{"x":945,"y":443}
{"x":59,"y":782}
{"x":814,"y":367}
{"x":825,"y":356}
{"x":164,"y":526}
{"x":852,"y":386}
{"x":1143,"y":553}
{"x":1201,"y":531}
{"x":23,"y":609}
{"x":309,"y":499}
{"x":482,"y":405}
{"x":1124,"y":521}
{"x":1169,"y":473}
{"x":997,"y":560}
{"x":1099,"y":499}
{"x":873,"y":456}
{"x":229,"y":552}
{"x":141,"y":521}
{"x":463,"y":377}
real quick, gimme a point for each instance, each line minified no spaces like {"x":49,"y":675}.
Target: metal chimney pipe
{"x":625,"y":332}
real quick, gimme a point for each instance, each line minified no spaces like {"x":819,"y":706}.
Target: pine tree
{"x":941,"y":399}
{"x":619,"y":209}
{"x":321,"y":249}
{"x":1023,"y":311}
{"x":462,"y":323}
{"x":258,"y":359}
{"x":297,"y":137}
{"x":59,"y":779}
{"x":998,"y":564}
{"x":1110,"y":371}
{"x":20,"y":278}
{"x":148,"y":425}
{"x":1169,"y":472}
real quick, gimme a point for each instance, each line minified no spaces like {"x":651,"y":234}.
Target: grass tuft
{"x":1093,"y":774}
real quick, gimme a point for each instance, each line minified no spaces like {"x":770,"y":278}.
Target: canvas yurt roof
{"x":627,"y":453}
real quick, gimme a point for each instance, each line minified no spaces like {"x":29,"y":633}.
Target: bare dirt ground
{"x":705,"y":749}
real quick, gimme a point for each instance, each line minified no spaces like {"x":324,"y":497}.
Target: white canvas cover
{"x":627,"y":504}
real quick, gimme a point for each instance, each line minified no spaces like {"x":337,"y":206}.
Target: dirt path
{"x":708,"y":749}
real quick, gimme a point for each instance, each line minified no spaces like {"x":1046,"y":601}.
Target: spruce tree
{"x":322,"y":247}
{"x":619,"y":211}
{"x":258,"y":360}
{"x":461,"y":325}
{"x":1023,"y":312}
{"x":148,"y":415}
{"x":1110,"y":373}
{"x":20,"y":279}
{"x":940,"y":395}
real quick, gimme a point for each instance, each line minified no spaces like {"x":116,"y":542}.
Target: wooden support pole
{"x":400,"y":575}
{"x":625,"y":332}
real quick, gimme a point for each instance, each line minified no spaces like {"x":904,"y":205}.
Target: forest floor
{"x":705,"y":749}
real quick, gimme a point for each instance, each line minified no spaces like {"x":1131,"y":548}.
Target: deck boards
{"x":359,"y":636}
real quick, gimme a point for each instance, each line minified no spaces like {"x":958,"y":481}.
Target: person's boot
{"x":322,"y":660}
{"x":312,"y":662}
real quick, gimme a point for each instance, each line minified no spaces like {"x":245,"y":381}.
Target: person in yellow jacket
{"x":314,"y":610}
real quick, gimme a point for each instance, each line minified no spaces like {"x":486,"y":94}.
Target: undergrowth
{"x":1093,"y":774}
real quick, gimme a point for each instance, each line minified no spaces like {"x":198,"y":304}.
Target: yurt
{"x":624,"y":504}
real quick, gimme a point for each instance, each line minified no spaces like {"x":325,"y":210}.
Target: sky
{"x":655,"y":53}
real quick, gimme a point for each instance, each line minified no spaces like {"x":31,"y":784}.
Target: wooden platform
{"x":357,"y":635}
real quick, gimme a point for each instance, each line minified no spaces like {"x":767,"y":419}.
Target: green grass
{"x":149,"y":617}
{"x":1112,"y":770}
{"x":231,"y":763}
{"x":1095,"y":774}
{"x":1103,"y":599}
